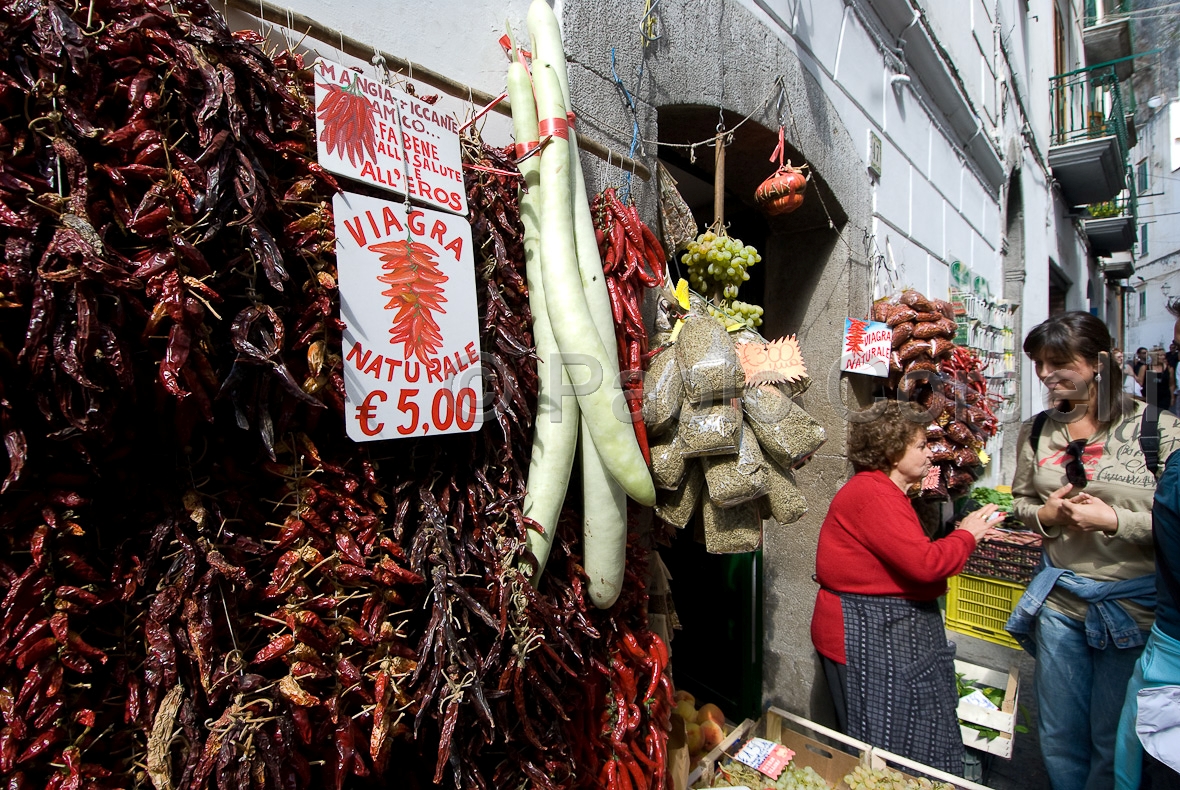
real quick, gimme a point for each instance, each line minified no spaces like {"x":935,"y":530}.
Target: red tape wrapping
{"x":554,"y":127}
{"x":523,"y":149}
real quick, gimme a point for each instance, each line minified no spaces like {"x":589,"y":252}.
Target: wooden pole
{"x":719,"y":182}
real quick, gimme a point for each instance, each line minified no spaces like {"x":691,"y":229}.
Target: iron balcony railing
{"x":1086,"y":104}
{"x":1125,"y":205}
{"x":1110,"y":9}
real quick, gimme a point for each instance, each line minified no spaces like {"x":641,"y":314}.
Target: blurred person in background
{"x":1157,"y":381}
{"x":1130,"y":385}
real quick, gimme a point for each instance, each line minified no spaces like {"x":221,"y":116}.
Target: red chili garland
{"x":633,"y":261}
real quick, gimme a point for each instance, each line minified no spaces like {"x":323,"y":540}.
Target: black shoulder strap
{"x":1038,"y":425}
{"x":1149,"y":437}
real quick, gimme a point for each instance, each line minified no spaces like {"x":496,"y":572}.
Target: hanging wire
{"x":634,"y":117}
{"x":647,"y":24}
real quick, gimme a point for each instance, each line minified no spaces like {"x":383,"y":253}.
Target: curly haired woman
{"x":876,"y":625}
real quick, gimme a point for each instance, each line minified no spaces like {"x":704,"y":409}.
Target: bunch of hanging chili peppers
{"x":204,"y":583}
{"x":633,"y":260}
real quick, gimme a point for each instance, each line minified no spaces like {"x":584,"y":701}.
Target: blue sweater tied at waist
{"x":1107,"y":622}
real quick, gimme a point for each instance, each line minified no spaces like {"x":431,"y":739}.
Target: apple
{"x":687,"y":711}
{"x":681,"y":696}
{"x":693,"y":737}
{"x":710,"y":712}
{"x":711,"y":734}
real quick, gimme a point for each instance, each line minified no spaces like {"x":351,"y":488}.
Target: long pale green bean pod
{"x":555,"y":432}
{"x":577,"y":336}
{"x":604,"y":505}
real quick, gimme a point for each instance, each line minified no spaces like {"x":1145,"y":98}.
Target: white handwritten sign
{"x":866,"y":347}
{"x":411,"y":332}
{"x":370,"y":132}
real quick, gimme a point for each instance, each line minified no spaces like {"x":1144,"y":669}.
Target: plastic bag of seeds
{"x":667,"y":461}
{"x":786,"y":501}
{"x":732,"y":530}
{"x":710,"y":430}
{"x":786,"y":432}
{"x":676,"y":507}
{"x":734,"y":479}
{"x":663,"y":392}
{"x":708,"y":362}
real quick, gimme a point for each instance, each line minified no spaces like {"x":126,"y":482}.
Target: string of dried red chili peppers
{"x":633,"y":261}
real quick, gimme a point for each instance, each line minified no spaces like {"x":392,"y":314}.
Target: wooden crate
{"x":879,"y":758}
{"x":833,"y":758}
{"x":831,"y":754}
{"x":705,"y":770}
{"x":1004,"y":719}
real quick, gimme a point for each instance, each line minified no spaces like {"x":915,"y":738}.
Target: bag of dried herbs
{"x":740,"y":477}
{"x":786,"y":502}
{"x":663,"y":392}
{"x":676,"y":507}
{"x":708,"y":362}
{"x":732,"y":530}
{"x":710,"y":429}
{"x":786,"y":432}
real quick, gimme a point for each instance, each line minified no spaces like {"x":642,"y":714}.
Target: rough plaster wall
{"x":825,"y":278}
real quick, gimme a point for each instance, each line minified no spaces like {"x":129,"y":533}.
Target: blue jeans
{"x":1080,"y":694}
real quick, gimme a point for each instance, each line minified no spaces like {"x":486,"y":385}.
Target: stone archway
{"x":823,"y":274}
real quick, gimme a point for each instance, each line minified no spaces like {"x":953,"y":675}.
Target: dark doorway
{"x":1059,"y":286}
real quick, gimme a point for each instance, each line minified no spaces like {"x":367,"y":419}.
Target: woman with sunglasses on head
{"x":1085,"y":476}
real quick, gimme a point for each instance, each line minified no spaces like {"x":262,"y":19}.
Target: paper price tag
{"x":766,"y":757}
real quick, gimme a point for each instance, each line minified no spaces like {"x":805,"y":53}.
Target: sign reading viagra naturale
{"x":411,"y":333}
{"x":866,"y":347}
{"x":371,"y":132}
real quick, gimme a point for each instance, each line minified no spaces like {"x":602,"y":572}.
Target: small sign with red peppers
{"x":371,"y":132}
{"x":411,"y":333}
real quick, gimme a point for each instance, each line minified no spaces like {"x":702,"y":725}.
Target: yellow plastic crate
{"x":979,"y":607}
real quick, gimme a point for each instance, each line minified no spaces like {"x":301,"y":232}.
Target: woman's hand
{"x":1087,"y":513}
{"x":980,"y":521}
{"x":1051,"y":514}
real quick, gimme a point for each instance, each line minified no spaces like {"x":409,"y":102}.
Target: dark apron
{"x":901,"y":690}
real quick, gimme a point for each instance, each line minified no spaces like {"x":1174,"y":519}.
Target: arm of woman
{"x":892,"y":533}
{"x":1026,"y":502}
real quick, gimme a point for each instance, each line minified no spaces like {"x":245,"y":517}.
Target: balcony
{"x":1118,"y":266}
{"x":1111,"y":228}
{"x":1089,"y":145}
{"x":1107,"y":36}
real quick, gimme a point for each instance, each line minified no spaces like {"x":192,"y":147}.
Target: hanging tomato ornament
{"x":782,"y":193}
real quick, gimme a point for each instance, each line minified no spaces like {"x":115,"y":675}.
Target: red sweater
{"x":871,"y":543}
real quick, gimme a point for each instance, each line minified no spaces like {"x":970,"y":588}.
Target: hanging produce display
{"x":782,"y":192}
{"x":725,"y":438}
{"x":205,"y":582}
{"x":927,"y":368}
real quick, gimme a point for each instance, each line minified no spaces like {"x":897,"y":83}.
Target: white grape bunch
{"x":717,"y":266}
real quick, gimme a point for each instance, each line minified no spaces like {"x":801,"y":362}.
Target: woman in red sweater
{"x":877,"y":626}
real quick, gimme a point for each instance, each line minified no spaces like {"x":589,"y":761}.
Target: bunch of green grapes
{"x":741,"y":312}
{"x":716,"y":261}
{"x":865,"y":778}
{"x":795,"y":778}
{"x":792,"y":778}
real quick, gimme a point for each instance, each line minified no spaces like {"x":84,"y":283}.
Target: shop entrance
{"x":717,"y":655}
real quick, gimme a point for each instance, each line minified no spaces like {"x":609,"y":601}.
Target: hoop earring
{"x":1098,"y":376}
